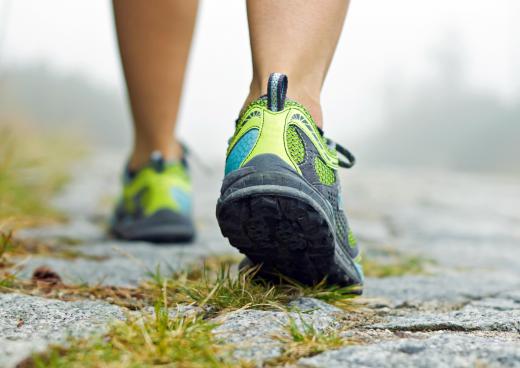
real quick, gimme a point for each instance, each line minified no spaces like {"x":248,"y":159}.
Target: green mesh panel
{"x":343,"y":233}
{"x":295,"y":145}
{"x":325,"y":173}
{"x":351,"y":239}
{"x":251,"y":115}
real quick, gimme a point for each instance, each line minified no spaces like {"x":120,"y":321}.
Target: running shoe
{"x":155,"y":205}
{"x":281,"y":202}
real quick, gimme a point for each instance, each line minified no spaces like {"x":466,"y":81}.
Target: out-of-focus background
{"x":425,"y":93}
{"x":413,"y":82}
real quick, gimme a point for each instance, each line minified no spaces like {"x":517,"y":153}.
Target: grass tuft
{"x":396,"y":265}
{"x":7,"y":266}
{"x":169,"y":338}
{"x":304,"y":340}
{"x":148,"y":340}
{"x":221,"y":288}
{"x":33,"y":168}
{"x":216,"y":286}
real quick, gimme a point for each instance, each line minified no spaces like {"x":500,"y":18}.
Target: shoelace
{"x":351,"y":160}
{"x":346,"y":153}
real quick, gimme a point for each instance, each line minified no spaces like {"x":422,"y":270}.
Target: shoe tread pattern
{"x":281,"y":233}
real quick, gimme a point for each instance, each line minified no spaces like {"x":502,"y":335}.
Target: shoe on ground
{"x":281,"y":203}
{"x":155,"y":204}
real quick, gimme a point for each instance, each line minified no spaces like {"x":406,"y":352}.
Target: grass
{"x":160,"y":339}
{"x":187,"y":340}
{"x":13,"y":251}
{"x":7,"y":266}
{"x":392,"y":263}
{"x":304,"y":340}
{"x":28,"y":247}
{"x":218,"y":286}
{"x":33,"y":168}
{"x":181,"y":340}
{"x":145,"y":341}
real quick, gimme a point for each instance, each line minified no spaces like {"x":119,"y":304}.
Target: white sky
{"x":382,"y":40}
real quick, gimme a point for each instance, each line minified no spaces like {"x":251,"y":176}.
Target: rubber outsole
{"x":155,"y":234}
{"x":286,"y":232}
{"x":282,"y":233}
{"x":164,"y":226}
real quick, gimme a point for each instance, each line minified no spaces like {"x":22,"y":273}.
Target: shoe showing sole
{"x":280,"y":221}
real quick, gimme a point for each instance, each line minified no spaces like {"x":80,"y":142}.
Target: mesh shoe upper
{"x":291,"y":134}
{"x":156,"y":187}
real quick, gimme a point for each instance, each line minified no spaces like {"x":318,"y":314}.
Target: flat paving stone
{"x":257,"y":333}
{"x":464,"y":313}
{"x":449,"y":288}
{"x":29,"y":324}
{"x":440,"y":350}
{"x":126,"y":264}
{"x":493,"y":314}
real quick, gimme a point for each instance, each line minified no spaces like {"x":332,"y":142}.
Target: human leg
{"x":297,"y":38}
{"x":154,"y":41}
{"x":281,"y":202}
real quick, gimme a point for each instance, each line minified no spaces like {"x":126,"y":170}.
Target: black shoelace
{"x":350,"y":159}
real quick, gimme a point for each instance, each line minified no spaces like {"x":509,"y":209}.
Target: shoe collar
{"x":158,"y":163}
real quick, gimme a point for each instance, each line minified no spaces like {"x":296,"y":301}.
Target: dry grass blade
{"x":144,"y":341}
{"x":302,"y":339}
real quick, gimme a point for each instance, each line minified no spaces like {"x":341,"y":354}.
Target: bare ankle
{"x":141,"y":153}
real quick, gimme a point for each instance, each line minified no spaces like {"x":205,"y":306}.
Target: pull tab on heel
{"x":276,"y":91}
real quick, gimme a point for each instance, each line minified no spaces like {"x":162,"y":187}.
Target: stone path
{"x":464,"y":313}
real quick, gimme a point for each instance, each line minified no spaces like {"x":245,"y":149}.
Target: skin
{"x":297,"y":38}
{"x":154,"y":42}
{"x":294,"y":37}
